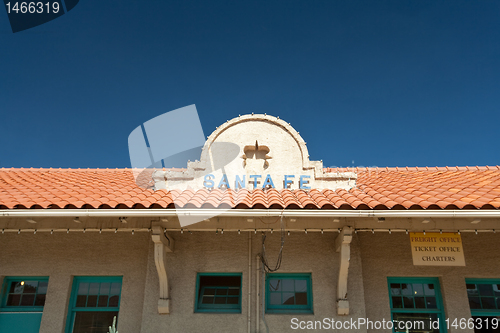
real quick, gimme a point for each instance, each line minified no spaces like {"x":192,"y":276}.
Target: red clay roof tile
{"x":389,"y":188}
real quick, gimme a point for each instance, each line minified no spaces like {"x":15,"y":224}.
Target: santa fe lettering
{"x":255,"y":181}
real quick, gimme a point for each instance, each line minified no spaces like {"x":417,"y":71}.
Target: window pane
{"x":13,"y":300}
{"x":220,"y":300}
{"x":288,"y":285}
{"x":105,"y":288}
{"x":42,"y":287}
{"x":472,"y":290}
{"x":113,"y":301}
{"x":221,"y":292}
{"x":294,"y":296}
{"x":485,"y":289}
{"x":395,"y":289}
{"x":301,"y":298}
{"x":275,"y":299}
{"x":24,"y":293}
{"x":406,"y":289}
{"x":288,"y":298}
{"x":418,"y":296}
{"x":232,"y":300}
{"x":431,"y":302}
{"x":40,"y":300}
{"x":233,"y":291}
{"x":496,"y":289}
{"x":81,"y":301}
{"x":30,"y":287}
{"x":275,"y":285}
{"x":92,"y":301}
{"x":13,"y":286}
{"x":28,"y":300}
{"x":474,"y":303}
{"x":94,"y":289}
{"x":419,"y":303}
{"x":93,"y":322}
{"x":483,"y":296}
{"x":207,"y":300}
{"x":83,"y":288}
{"x":17,"y":287}
{"x":115,"y":288}
{"x":103,"y":301}
{"x":397,"y":302}
{"x":209,"y":291}
{"x":488,"y":302}
{"x":300,"y":285}
{"x":418,"y":289}
{"x":408,"y":302}
{"x":89,"y":313}
{"x":218,"y":293}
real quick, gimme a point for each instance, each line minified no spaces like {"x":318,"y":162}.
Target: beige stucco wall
{"x":374,"y":257}
{"x":61,"y":256}
{"x":385,"y":255}
{"x":208,"y":252}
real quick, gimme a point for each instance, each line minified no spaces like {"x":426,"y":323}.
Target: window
{"x":416,"y":304}
{"x":94,"y":302}
{"x":289,"y":293}
{"x":218,"y":292}
{"x":24,"y":294}
{"x":484,"y":303}
{"x":22,"y":302}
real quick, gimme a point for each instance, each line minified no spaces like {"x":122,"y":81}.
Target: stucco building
{"x":357,"y":249}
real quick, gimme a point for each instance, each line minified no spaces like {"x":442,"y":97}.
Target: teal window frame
{"x":73,"y":309}
{"x":289,"y":308}
{"x":484,"y":312}
{"x":216,"y":308}
{"x":439,"y":311}
{"x":19,"y":308}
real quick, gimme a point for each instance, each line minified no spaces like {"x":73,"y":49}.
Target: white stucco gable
{"x":254,"y":151}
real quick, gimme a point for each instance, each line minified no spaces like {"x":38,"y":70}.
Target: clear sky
{"x":366,"y":83}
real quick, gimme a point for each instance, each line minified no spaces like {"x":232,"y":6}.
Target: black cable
{"x":263,"y":256}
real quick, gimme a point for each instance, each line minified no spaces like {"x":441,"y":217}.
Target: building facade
{"x":253,"y":237}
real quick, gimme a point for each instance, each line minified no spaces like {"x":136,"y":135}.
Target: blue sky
{"x":366,"y":83}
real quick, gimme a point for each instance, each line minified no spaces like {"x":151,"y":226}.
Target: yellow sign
{"x":435,"y":249}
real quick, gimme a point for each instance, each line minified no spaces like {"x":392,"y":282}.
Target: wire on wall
{"x":263,"y":255}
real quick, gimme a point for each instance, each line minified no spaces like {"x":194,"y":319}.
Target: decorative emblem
{"x":256,"y":155}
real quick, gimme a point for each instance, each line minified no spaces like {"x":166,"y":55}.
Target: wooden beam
{"x":163,"y":243}
{"x":343,"y":245}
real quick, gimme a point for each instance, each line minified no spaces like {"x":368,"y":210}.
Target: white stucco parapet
{"x":259,"y":149}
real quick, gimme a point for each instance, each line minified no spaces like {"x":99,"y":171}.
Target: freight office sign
{"x":436,"y":249}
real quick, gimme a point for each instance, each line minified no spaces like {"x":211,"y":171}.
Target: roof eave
{"x":486,"y":213}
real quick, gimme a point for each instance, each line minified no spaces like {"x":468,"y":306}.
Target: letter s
{"x":208,"y":182}
{"x":326,"y":324}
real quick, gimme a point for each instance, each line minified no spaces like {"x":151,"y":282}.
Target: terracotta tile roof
{"x":377,"y":188}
